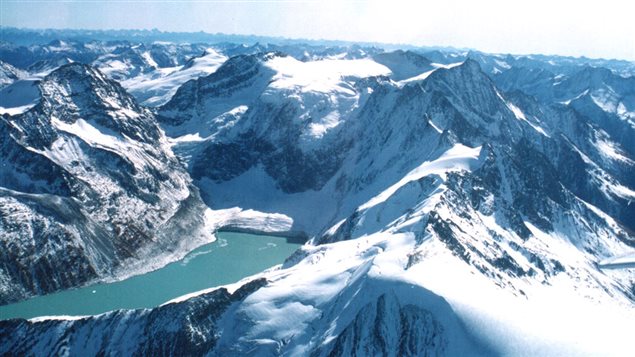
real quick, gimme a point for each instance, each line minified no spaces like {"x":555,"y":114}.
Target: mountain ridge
{"x":90,"y":145}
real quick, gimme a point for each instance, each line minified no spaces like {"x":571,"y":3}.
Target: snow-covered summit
{"x":88,"y":181}
{"x":80,"y":91}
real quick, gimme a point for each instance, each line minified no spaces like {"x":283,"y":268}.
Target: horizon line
{"x":303,"y":39}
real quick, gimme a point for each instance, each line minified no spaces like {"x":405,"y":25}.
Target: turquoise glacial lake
{"x":230,"y":258}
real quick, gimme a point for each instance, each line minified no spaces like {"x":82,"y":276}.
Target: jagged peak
{"x":469,"y":70}
{"x":595,"y":71}
{"x":78,"y":91}
{"x":404,"y":54}
{"x":81,"y":81}
{"x":59,"y":43}
{"x":74,"y":70}
{"x":253,"y":59}
{"x":235,"y":70}
{"x":237,"y":64}
{"x":466,"y":79}
{"x":593,"y":77}
{"x":470,"y":64}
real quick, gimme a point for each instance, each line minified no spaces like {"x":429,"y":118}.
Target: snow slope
{"x":458,"y":158}
{"x":19,"y":96}
{"x":157,"y":87}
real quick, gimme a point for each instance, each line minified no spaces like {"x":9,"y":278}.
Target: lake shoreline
{"x":298,"y":237}
{"x":232,"y":257}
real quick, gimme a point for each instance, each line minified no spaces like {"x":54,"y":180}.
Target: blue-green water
{"x":230,"y":258}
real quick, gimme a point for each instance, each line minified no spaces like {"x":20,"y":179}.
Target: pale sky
{"x":592,"y":28}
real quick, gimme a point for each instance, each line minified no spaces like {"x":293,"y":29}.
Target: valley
{"x":232,"y":257}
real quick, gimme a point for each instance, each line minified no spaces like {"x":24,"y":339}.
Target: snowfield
{"x":324,"y":76}
{"x":157,"y":87}
{"x":458,"y":158}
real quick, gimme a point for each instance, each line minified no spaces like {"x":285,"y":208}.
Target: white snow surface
{"x":324,"y":76}
{"x":626,"y":258}
{"x":425,"y":75}
{"x":322,"y":88}
{"x":158,"y":87}
{"x":446,"y":66}
{"x":417,"y":78}
{"x":16,"y":110}
{"x":257,"y":187}
{"x":320,"y":289}
{"x":339,"y":279}
{"x":459,"y":157}
{"x":19,"y":97}
{"x":248,"y":219}
{"x":609,"y":150}
{"x":548,"y":322}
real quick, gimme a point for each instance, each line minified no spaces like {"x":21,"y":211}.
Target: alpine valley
{"x":453,"y":202}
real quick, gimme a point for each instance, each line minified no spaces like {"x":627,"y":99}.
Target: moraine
{"x":230,"y":258}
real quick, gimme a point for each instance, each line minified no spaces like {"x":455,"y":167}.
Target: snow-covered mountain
{"x":456,"y":205}
{"x":151,"y":72}
{"x":9,"y":74}
{"x":132,"y":60}
{"x":56,"y":51}
{"x":304,"y":51}
{"x":404,"y":64}
{"x":606,"y":98}
{"x":158,"y":86}
{"x":89,"y":188}
{"x":19,"y":96}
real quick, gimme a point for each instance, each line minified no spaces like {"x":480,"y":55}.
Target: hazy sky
{"x":593,"y":28}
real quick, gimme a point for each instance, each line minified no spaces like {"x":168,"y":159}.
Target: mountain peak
{"x":593,"y":76}
{"x":79,"y":91}
{"x":471,"y":65}
{"x":75,"y":71}
{"x":403,"y":64}
{"x":466,"y":78}
{"x":233,"y":82}
{"x":78,"y":81}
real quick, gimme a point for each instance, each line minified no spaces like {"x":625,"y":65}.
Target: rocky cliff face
{"x":88,"y":182}
{"x":188,"y":328}
{"x":9,"y":74}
